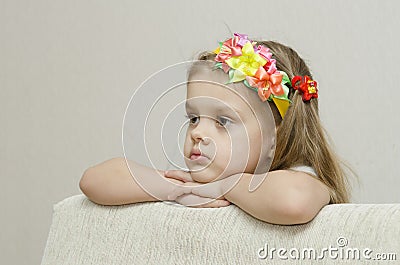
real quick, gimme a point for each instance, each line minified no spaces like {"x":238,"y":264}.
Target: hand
{"x":185,"y":196}
{"x":217,"y":189}
{"x":184,"y":179}
{"x":181,"y":175}
{"x":196,"y":201}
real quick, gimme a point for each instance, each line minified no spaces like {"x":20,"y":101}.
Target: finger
{"x":216,"y":189}
{"x":178,"y":191}
{"x":215,"y":204}
{"x":191,"y":200}
{"x":191,"y":184}
{"x":209,"y":190}
{"x":195,"y":201}
{"x":178,"y":174}
{"x":176,"y":181}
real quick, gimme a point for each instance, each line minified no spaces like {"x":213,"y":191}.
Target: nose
{"x":199,"y":132}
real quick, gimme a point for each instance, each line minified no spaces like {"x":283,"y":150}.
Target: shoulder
{"x":301,"y":180}
{"x":311,"y":172}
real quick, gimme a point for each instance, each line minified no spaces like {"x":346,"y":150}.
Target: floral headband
{"x":244,"y":61}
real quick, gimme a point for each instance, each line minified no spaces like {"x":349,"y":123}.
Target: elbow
{"x":87,"y":185}
{"x":84,"y":183}
{"x":295,"y":210}
{"x":96,"y":188}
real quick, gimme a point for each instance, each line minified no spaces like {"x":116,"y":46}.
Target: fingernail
{"x":165,"y":172}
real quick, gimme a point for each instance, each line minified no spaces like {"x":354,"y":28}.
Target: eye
{"x":222,"y":121}
{"x":192,"y":119}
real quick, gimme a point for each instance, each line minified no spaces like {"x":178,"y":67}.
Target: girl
{"x":230,"y":143}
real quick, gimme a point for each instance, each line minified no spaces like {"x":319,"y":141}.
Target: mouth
{"x":196,"y":154}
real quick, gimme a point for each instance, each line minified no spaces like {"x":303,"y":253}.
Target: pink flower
{"x":266,"y":83}
{"x":228,"y":49}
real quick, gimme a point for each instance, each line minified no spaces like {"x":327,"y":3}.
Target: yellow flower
{"x":247,"y":63}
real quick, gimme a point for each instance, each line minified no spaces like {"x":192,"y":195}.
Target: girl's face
{"x":225,"y":129}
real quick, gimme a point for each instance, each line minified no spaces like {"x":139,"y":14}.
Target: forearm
{"x":111,"y":183}
{"x":271,"y":202}
{"x":114,"y":194}
{"x":254,"y":203}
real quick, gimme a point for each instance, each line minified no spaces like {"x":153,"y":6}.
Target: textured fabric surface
{"x":83,"y":232}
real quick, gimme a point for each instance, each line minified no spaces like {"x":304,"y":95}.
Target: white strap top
{"x":306,"y":169}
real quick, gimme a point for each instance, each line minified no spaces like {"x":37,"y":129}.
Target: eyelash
{"x":190,"y":117}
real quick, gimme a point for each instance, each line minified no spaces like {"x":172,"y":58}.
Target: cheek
{"x":255,"y":152}
{"x":233,"y":152}
{"x":223,"y":154}
{"x":255,"y":142}
{"x":248,"y":148}
{"x":187,"y":145}
{"x":224,"y":144}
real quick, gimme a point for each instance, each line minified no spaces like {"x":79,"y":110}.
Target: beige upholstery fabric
{"x":83,"y":232}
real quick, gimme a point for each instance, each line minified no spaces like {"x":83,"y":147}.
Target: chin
{"x":201,"y":176}
{"x":204,"y":176}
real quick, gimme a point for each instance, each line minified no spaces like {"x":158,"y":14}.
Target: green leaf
{"x":249,"y":86}
{"x":285,"y":78}
{"x":231,"y":72}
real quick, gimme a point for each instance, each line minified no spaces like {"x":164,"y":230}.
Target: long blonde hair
{"x":301,"y":138}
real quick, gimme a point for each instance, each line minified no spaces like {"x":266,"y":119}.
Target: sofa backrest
{"x":83,"y":232}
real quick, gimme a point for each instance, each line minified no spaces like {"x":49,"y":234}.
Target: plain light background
{"x":69,"y":68}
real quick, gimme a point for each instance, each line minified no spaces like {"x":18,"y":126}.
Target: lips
{"x":195,"y":154}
